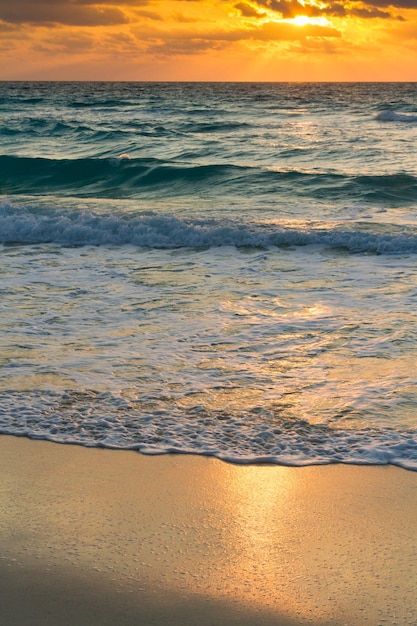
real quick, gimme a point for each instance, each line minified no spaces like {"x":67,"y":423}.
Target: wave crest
{"x":64,"y":227}
{"x":392,"y":116}
{"x":132,"y":177}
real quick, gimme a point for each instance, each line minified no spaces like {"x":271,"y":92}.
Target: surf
{"x":22,"y":225}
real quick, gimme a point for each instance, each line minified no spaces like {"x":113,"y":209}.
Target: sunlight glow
{"x":207,"y":40}
{"x":304,"y":20}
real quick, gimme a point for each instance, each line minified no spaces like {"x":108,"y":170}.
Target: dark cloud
{"x":369,"y":12}
{"x":292,"y":8}
{"x":150,"y":15}
{"x":248,"y":10}
{"x":73,"y":44}
{"x":9,"y":28}
{"x":397,"y":4}
{"x":133,"y":3}
{"x":179,"y":17}
{"x":69,"y":12}
{"x":80,"y":42}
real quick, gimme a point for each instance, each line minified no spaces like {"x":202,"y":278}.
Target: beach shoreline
{"x":94,"y":536}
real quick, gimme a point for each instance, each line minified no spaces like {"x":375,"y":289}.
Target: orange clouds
{"x":207,"y":39}
{"x":68,"y":12}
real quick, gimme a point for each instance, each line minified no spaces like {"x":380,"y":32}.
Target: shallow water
{"x":211,"y":268}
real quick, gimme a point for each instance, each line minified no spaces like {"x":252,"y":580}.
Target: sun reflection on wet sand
{"x":303,"y":545}
{"x":265,"y":549}
{"x":323,"y":545}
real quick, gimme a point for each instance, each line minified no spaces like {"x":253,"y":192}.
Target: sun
{"x":303,"y":20}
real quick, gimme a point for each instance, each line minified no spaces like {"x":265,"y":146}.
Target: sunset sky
{"x":242,"y":40}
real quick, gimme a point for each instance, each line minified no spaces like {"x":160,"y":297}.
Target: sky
{"x":206,"y":40}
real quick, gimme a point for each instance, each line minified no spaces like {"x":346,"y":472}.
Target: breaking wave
{"x":20,"y":225}
{"x":392,"y":116}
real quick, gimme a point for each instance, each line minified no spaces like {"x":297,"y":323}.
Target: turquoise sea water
{"x":223,"y":269}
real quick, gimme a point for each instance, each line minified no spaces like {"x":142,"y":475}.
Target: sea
{"x":222,"y":269}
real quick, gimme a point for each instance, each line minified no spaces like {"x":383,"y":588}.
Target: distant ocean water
{"x":219,"y":269}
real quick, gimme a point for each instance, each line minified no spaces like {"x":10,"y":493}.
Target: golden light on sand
{"x":256,"y":501}
{"x":108,"y":536}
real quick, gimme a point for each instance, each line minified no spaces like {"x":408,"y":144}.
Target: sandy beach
{"x":97,"y":537}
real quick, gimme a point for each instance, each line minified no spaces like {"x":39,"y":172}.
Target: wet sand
{"x":99,"y":537}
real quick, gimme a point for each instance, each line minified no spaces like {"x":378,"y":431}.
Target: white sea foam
{"x":20,"y":225}
{"x":104,"y":420}
{"x":296,"y":357}
{"x":243,"y":286}
{"x":392,"y":116}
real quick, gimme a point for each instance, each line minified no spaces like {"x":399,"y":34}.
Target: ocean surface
{"x":218,"y":269}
